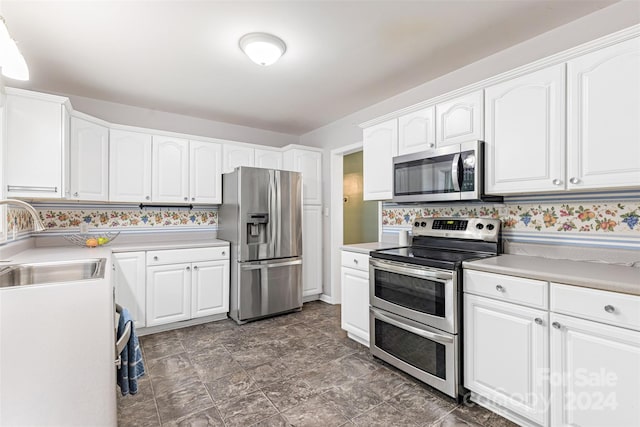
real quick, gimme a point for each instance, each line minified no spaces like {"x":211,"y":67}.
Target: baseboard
{"x":503,"y":412}
{"x":328,"y":299}
{"x":358,"y":339}
{"x":177,"y":325}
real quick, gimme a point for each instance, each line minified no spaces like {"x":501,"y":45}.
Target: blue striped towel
{"x":132,"y":366}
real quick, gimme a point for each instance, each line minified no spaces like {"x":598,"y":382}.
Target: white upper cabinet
{"x":236,"y":155}
{"x":459,"y":120}
{"x":416,"y":131}
{"x":36,"y":145}
{"x":269,"y":159}
{"x":205,"y":167}
{"x":379,"y":147}
{"x":604,"y":118}
{"x":309,"y":163}
{"x":170,"y":170}
{"x":525,"y":133}
{"x":129,"y":166}
{"x":89,"y":161}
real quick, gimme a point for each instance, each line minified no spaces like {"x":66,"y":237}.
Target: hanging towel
{"x":132,"y":366}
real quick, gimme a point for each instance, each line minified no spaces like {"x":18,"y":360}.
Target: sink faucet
{"x":37,"y":223}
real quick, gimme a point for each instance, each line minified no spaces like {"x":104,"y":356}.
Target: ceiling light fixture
{"x":262,"y":48}
{"x":11,"y":60}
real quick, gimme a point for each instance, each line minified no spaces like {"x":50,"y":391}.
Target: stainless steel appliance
{"x":453,"y":172}
{"x":416,"y":297}
{"x":261,"y":217}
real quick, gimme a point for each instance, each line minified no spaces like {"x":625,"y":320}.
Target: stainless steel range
{"x":416,"y":297}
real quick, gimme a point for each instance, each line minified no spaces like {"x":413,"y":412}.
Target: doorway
{"x":360,"y":217}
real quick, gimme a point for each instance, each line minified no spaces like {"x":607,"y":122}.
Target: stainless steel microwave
{"x":451,"y":173}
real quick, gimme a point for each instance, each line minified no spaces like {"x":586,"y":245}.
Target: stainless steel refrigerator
{"x":261,"y":217}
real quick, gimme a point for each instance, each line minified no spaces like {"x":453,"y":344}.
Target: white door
{"x":603,"y":113}
{"x":460,"y":120}
{"x":595,"y":374}
{"x":89,"y":161}
{"x":311,"y":250}
{"x":236,"y":155}
{"x":210,"y":288}
{"x":506,"y":355}
{"x":417,"y":131}
{"x":170,"y":170}
{"x":379,"y":146}
{"x":130,"y":284}
{"x":168,"y":293}
{"x":269,"y":159}
{"x":34,"y":136}
{"x":355,"y":303}
{"x":525,"y":133}
{"x":129,"y":166}
{"x":205,"y":172}
{"x":309,"y":163}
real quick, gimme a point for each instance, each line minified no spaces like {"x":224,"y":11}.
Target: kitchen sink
{"x":51,"y":272}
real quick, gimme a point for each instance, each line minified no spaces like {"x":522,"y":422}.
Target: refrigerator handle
{"x":278,"y":207}
{"x":273,"y":217}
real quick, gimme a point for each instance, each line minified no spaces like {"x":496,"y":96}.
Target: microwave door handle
{"x":442,"y":339}
{"x":455,"y":174}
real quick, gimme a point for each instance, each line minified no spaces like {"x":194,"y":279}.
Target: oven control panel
{"x":487,"y":229}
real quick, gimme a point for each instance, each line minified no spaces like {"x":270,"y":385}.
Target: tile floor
{"x":298,"y":369}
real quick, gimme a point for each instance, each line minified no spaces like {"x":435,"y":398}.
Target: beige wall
{"x":360,"y":223}
{"x":345,"y":131}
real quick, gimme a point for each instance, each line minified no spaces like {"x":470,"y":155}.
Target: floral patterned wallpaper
{"x":602,"y":217}
{"x":60,"y":220}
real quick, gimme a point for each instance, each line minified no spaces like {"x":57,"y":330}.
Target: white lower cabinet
{"x":130,"y":284}
{"x":506,"y":354}
{"x":355,"y":296}
{"x":168,"y":294}
{"x":209,"y":288}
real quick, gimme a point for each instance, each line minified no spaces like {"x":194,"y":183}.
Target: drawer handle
{"x":500,"y":288}
{"x":609,"y":309}
{"x":188,"y":268}
{"x":538,"y":321}
{"x":155,"y":258}
{"x":556,"y":325}
{"x":224,"y":253}
{"x":195,"y":267}
{"x":355,"y":261}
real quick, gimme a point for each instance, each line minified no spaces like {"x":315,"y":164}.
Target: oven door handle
{"x":391,"y":319}
{"x":415,"y":272}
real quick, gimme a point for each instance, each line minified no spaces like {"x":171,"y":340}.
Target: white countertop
{"x":365,"y":248}
{"x":607,"y":277}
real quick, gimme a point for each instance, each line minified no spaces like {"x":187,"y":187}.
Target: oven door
{"x":426,"y":295}
{"x":423,"y":352}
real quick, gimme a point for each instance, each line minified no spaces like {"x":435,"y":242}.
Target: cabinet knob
{"x":609,"y":308}
{"x":574,"y":180}
{"x":148,"y":198}
{"x":224,"y":253}
{"x":355,"y":261}
{"x":188,"y":268}
{"x":155,"y":258}
{"x":556,"y":181}
{"x":432,"y":145}
{"x":195,"y":267}
{"x":538,"y":321}
{"x":75,"y":194}
{"x":186,"y":198}
{"x":556,"y":325}
{"x":499,"y":288}
{"x":193,"y":199}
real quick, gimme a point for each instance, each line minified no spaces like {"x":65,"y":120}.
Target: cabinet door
{"x":205,"y":172}
{"x":170,"y":170}
{"x":210,"y":288}
{"x":355,"y":304}
{"x":525,"y":133}
{"x":269,"y":159}
{"x":129,"y":166}
{"x":311,"y":250}
{"x":506,"y":355}
{"x":130,"y":284}
{"x":89,"y":161}
{"x":416,"y":131}
{"x":459,"y":120}
{"x":309,"y":163}
{"x":603,"y":110}
{"x":595,"y":373}
{"x":168,"y":293}
{"x":236,"y":155}
{"x":380,"y":145}
{"x":34,"y":147}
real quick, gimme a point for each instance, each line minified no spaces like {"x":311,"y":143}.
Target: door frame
{"x":336,"y":228}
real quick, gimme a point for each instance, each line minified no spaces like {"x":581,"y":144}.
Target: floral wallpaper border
{"x":612,"y":218}
{"x":62,"y":219}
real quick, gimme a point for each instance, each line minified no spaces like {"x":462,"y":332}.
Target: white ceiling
{"x":183,"y":56}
